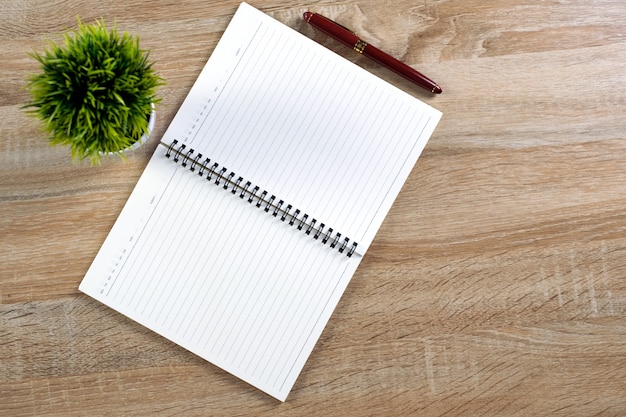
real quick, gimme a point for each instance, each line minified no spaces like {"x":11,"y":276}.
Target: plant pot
{"x":90,"y":72}
{"x":142,"y":140}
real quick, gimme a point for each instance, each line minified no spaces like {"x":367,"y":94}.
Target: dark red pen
{"x":349,"y":38}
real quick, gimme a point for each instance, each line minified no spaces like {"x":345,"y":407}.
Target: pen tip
{"x":437,"y":89}
{"x":307,"y":16}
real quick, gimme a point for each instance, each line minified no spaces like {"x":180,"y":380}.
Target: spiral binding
{"x":220,"y":176}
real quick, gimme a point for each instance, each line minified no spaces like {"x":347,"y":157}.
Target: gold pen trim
{"x":359,"y":46}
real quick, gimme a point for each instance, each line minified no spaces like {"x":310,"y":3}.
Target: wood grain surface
{"x":495,"y":287}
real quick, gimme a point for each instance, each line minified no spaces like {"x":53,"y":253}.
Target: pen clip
{"x":338,"y":24}
{"x":349,"y":30}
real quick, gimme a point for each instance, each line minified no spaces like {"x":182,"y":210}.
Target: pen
{"x":349,"y":38}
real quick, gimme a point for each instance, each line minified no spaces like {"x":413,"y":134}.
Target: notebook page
{"x":221,"y":278}
{"x":309,"y":126}
{"x":224,"y":280}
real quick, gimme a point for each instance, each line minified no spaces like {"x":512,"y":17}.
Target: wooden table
{"x":496,"y":286}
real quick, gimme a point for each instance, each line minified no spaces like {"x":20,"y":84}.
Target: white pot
{"x":144,"y":138}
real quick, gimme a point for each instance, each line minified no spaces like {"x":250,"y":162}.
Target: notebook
{"x":255,"y":211}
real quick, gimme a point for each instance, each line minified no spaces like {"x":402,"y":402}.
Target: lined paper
{"x":310,"y":126}
{"x":222,"y":280}
{"x":217,"y":275}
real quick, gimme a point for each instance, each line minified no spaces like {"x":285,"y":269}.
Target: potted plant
{"x":95,"y":93}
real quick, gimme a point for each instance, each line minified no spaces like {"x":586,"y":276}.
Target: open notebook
{"x":248,"y":223}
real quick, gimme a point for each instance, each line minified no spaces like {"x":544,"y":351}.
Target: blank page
{"x":219,"y":276}
{"x":305,"y":124}
{"x":223,"y":279}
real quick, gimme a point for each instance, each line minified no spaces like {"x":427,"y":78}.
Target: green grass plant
{"x":95,"y":91}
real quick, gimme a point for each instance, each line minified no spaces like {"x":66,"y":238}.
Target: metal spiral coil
{"x":254,"y":195}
